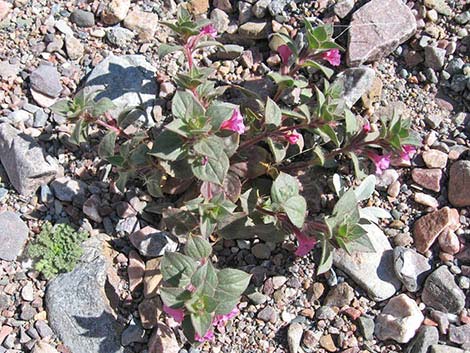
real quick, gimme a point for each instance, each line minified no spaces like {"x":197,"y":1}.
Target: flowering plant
{"x":233,"y":167}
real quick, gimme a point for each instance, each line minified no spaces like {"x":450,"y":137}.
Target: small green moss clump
{"x":57,"y":249}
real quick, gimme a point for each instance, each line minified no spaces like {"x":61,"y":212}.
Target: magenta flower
{"x":190,"y":287}
{"x":284,"y":52}
{"x":407,"y":152}
{"x":208,"y":30}
{"x":207,"y":337}
{"x":176,"y":314}
{"x":292,"y":136}
{"x":332,"y":56}
{"x":235,"y":123}
{"x":381,"y":162}
{"x":306,"y":243}
{"x":204,"y":160}
{"x":366,"y":127}
{"x":221,"y":320}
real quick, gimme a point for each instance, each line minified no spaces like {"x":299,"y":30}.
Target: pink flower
{"x":306,"y":243}
{"x":381,"y":162}
{"x":208,"y":30}
{"x":191,"y":288}
{"x":176,"y":314}
{"x":407,"y":152}
{"x":292,"y":136}
{"x":284,"y":52}
{"x":366,"y":127}
{"x":332,"y":56}
{"x":221,"y":320}
{"x":235,"y":123}
{"x":207,"y":337}
{"x":204,"y":160}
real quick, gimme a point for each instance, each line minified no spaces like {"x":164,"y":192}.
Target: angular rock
{"x":26,"y":163}
{"x":410,"y":267}
{"x":435,"y":159}
{"x":91,"y":208}
{"x":163,"y":340}
{"x":294,"y":336}
{"x":133,"y":333}
{"x":78,"y":305}
{"x":43,"y":347}
{"x":459,"y":334}
{"x":440,"y":6}
{"x":119,"y":36}
{"x":4,"y":9}
{"x":340,"y":296}
{"x":427,"y":178}
{"x":255,"y":30}
{"x":426,"y":337}
{"x":220,"y":20}
{"x":46,"y":80}
{"x":66,"y":189}
{"x":434,"y":57}
{"x":129,"y":81}
{"x":115,"y":11}
{"x":268,"y":314}
{"x":459,"y":184}
{"x":83,"y":18}
{"x":367,"y":327}
{"x":371,"y":271}
{"x":149,"y":312}
{"x":442,"y":293}
{"x":13,"y":235}
{"x":74,"y":47}
{"x":199,"y":7}
{"x":427,"y":228}
{"x":449,"y":242}
{"x":356,"y":82}
{"x":260,"y":8}
{"x":8,"y":70}
{"x":373,"y":35}
{"x":135,"y":270}
{"x":426,"y":200}
{"x":399,"y":320}
{"x":152,"y":242}
{"x":143,"y":23}
{"x":440,"y":348}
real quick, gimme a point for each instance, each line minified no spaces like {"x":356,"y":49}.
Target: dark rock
{"x":410,"y":267}
{"x":340,"y":296}
{"x":426,"y":337}
{"x":268,"y":314}
{"x":83,"y":18}
{"x":459,"y":184}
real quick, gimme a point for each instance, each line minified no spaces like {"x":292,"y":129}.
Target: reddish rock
{"x":459,"y":184}
{"x":4,"y":9}
{"x":435,"y":159}
{"x":449,"y":242}
{"x":373,"y":35}
{"x":91,"y":208}
{"x":427,"y":178}
{"x":199,"y":7}
{"x":135,"y":271}
{"x":428,"y":227}
{"x":4,"y":332}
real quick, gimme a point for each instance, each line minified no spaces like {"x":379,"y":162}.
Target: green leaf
{"x":165,"y":49}
{"x":197,"y":248}
{"x":153,"y":183}
{"x":373,"y":214}
{"x":62,"y":107}
{"x":226,"y":306}
{"x":218,"y":112}
{"x":106,"y":146}
{"x":328,"y":133}
{"x":177,"y":269}
{"x":326,"y":260}
{"x":231,"y":143}
{"x":312,"y":41}
{"x":351,"y":122}
{"x":205,"y":279}
{"x":366,"y":189}
{"x":357,"y":168}
{"x":284,"y":187}
{"x":174,"y":297}
{"x":210,"y":147}
{"x":184,"y":102}
{"x":273,"y":114}
{"x":168,"y":145}
{"x":325,"y":70}
{"x":216,"y":164}
{"x":79,"y":132}
{"x":232,"y":283}
{"x":346,"y":207}
{"x":102,"y":106}
{"x":122,"y":180}
{"x":201,"y":323}
{"x":278,"y":149}
{"x":296,"y":208}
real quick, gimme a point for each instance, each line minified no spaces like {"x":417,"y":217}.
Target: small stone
{"x":119,"y":36}
{"x":257,"y":298}
{"x":66,"y":189}
{"x":435,"y":159}
{"x":403,"y":239}
{"x":294,"y":336}
{"x":261,"y":251}
{"x":394,"y":189}
{"x":4,"y":9}
{"x":255,"y":30}
{"x":278,"y":281}
{"x":268,"y":314}
{"x":27,"y":293}
{"x":356,"y":82}
{"x":133,"y":333}
{"x":426,"y":200}
{"x":220,"y":20}
{"x":367,"y":327}
{"x":74,"y":47}
{"x":325,"y":313}
{"x":427,"y":178}
{"x":46,"y":80}
{"x":442,"y":293}
{"x":27,"y":312}
{"x":63,"y":27}
{"x":152,"y":277}
{"x":340,"y":296}
{"x":410,"y":267}
{"x":385,"y":179}
{"x":399,"y":320}
{"x":199,"y":7}
{"x":148,"y":312}
{"x":449,"y":242}
{"x":13,"y":235}
{"x":163,"y":340}
{"x":440,"y":6}
{"x":91,"y":208}
{"x":459,"y":334}
{"x":115,"y":11}
{"x":166,"y":89}
{"x":434,"y":57}
{"x":327,"y":343}
{"x":224,"y":5}
{"x":459,"y":184}
{"x":83,"y":18}
{"x":43,"y":347}
{"x":8,"y":70}
{"x":440,"y":348}
{"x":152,"y":242}
{"x":143,"y":23}
{"x":43,"y":329}
{"x":427,"y":228}
{"x":135,"y":270}
{"x":426,"y":337}
{"x":260,"y":8}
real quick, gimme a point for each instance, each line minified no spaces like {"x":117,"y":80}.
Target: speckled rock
{"x":459,"y":184}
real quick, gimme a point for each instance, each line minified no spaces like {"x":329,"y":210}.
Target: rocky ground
{"x":412,"y":294}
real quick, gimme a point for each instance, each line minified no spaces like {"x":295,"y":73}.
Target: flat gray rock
{"x":46,"y":80}
{"x":13,"y":235}
{"x":378,"y":28}
{"x":410,"y":267}
{"x":371,"y":271}
{"x":129,"y":81}
{"x":78,"y":309}
{"x":26,"y":163}
{"x":355,"y":82}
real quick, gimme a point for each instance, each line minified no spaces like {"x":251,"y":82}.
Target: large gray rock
{"x":355,"y":82}
{"x":78,"y":308}
{"x":377,"y":28}
{"x":129,"y":81}
{"x":410,"y":267}
{"x":426,"y":337}
{"x":26,"y":163}
{"x":442,"y":293}
{"x":371,"y":271}
{"x":13,"y":235}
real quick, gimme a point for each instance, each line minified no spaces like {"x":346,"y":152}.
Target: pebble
{"x":82,"y":18}
{"x":294,"y":336}
{"x":427,"y":178}
{"x":327,"y":342}
{"x":449,"y":242}
{"x":27,"y":293}
{"x":152,"y":242}
{"x":435,"y":159}
{"x":46,"y":80}
{"x":74,"y":47}
{"x":426,"y":200}
{"x":13,"y":235}
{"x":115,"y":11}
{"x":410,"y":267}
{"x":261,"y":251}
{"x":268,"y":314}
{"x":340,"y":296}
{"x":434,"y":57}
{"x":459,"y":183}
